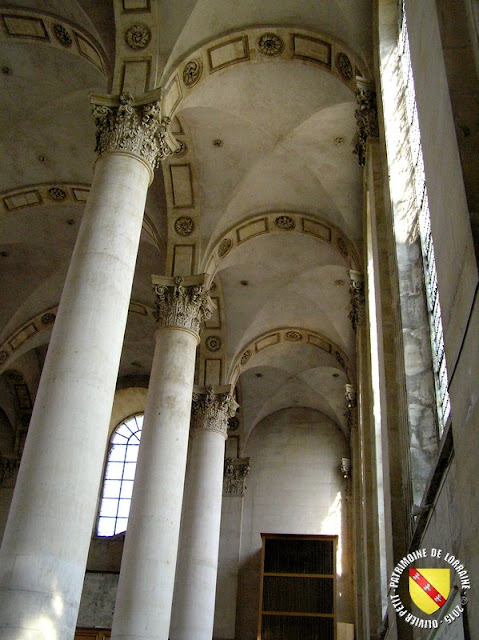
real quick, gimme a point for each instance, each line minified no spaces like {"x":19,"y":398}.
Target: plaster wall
{"x":98,"y":600}
{"x":294,"y":486}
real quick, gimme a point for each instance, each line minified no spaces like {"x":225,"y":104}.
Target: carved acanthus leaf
{"x":211,"y":411}
{"x":139,"y":129}
{"x":181,"y":303}
{"x":366,"y":118}
{"x":235,"y":473}
{"x":356,"y":290}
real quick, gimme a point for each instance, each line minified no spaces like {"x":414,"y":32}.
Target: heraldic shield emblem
{"x":429,"y":588}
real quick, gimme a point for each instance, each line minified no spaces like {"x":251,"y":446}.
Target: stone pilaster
{"x":356,"y":290}
{"x":236,"y":471}
{"x":366,"y":118}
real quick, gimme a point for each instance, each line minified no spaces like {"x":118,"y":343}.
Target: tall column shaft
{"x":46,"y":541}
{"x":45,"y":546}
{"x":195,"y":587}
{"x":145,"y":590}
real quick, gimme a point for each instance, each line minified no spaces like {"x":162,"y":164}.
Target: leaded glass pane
{"x":119,"y":476}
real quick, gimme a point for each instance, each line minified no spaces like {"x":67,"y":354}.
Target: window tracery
{"x":119,"y":476}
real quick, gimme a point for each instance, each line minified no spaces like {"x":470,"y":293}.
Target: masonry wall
{"x":457,"y":277}
{"x":295,"y":486}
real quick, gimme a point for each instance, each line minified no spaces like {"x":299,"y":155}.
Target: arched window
{"x":119,"y":476}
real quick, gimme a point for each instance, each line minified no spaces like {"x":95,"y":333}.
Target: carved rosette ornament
{"x":366,"y":118}
{"x":192,"y":72}
{"x":224,"y":247}
{"x":57,"y":194}
{"x":286,"y":223}
{"x":184,"y":226}
{"x":181,"y":302}
{"x":235,"y":473}
{"x":126,"y":124}
{"x":270,"y":44}
{"x":344,"y":66}
{"x":138,"y":36}
{"x":62,"y":35}
{"x":211,"y":409}
{"x":356,"y":290}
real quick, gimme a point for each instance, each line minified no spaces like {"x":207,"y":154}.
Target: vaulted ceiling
{"x":265,"y":196}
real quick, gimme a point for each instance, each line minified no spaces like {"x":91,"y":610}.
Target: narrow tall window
{"x":119,"y":476}
{"x":424,"y":218}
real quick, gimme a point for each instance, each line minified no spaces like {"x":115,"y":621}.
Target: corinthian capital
{"x":235,"y":473}
{"x":356,"y":290}
{"x":136,"y":126}
{"x":366,"y":118}
{"x":211,"y":408}
{"x":181,"y":302}
{"x":351,"y":412}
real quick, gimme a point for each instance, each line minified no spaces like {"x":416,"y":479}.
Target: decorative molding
{"x":366,"y":117}
{"x":356,"y":290}
{"x":182,"y":186}
{"x":313,"y":50}
{"x":288,"y":335}
{"x":254,"y":45}
{"x":181,"y":302}
{"x":211,"y":408}
{"x":183,"y":259}
{"x":279,"y":222}
{"x":53,"y":31}
{"x":43,"y":322}
{"x":236,"y":471}
{"x":227,"y":53}
{"x":137,"y":127}
{"x":138,"y":36}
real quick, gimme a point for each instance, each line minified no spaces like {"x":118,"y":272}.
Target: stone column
{"x":195,"y":587}
{"x":46,"y":541}
{"x":145,"y":590}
